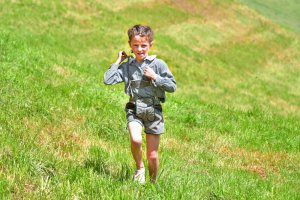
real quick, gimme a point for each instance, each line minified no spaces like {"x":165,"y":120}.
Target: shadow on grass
{"x":119,"y":171}
{"x":213,"y":196}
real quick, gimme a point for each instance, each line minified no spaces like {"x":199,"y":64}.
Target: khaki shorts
{"x":152,"y":122}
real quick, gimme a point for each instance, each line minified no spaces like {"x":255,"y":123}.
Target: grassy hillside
{"x":232,"y":127}
{"x":286,"y":13}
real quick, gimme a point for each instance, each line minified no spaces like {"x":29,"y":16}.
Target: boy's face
{"x":140,"y":46}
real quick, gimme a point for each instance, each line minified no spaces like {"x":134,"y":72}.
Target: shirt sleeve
{"x":114,"y":74}
{"x":164,"y":80}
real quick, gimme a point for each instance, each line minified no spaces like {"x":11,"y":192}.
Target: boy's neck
{"x":139,"y":61}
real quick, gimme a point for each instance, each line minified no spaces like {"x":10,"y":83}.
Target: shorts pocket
{"x":150,"y":113}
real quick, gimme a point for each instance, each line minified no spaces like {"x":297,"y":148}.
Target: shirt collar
{"x":149,"y":58}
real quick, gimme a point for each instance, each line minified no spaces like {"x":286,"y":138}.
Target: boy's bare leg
{"x":135,"y":130}
{"x":152,"y":155}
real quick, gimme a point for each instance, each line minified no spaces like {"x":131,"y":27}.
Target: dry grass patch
{"x":62,"y":71}
{"x":117,"y":5}
{"x":260,"y":170}
{"x":284,"y":105}
{"x":82,"y":6}
{"x":30,"y":188}
{"x":63,"y":75}
{"x":209,"y":10}
{"x":257,"y":162}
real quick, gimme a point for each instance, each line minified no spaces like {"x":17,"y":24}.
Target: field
{"x":232,"y":126}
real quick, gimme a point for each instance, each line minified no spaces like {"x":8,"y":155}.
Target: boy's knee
{"x":136,"y":141}
{"x":152,"y":156}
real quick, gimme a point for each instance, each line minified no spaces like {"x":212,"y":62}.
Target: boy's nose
{"x":139,"y":48}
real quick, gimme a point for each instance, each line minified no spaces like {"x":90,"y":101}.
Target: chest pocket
{"x":138,"y":84}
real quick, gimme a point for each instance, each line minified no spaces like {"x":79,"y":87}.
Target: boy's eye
{"x":144,"y":46}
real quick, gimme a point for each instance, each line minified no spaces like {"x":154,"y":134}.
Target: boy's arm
{"x":164,"y":79}
{"x":114,"y":74}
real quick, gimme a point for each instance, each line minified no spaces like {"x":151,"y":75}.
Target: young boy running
{"x":146,"y":79}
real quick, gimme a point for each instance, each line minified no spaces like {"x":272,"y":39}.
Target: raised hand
{"x":122,"y":56}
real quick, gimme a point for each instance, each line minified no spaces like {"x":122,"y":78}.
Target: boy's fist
{"x":122,"y":55}
{"x":149,"y":73}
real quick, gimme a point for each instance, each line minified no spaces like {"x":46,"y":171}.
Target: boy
{"x":146,"y":79}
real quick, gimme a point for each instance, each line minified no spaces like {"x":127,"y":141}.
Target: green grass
{"x":232,"y":127}
{"x":284,"y":13}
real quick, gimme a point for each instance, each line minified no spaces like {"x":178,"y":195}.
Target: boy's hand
{"x":122,"y":56}
{"x":149,"y":73}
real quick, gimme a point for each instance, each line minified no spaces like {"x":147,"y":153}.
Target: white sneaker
{"x":139,"y":176}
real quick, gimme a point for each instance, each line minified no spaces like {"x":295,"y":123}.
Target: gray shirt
{"x":136,"y":84}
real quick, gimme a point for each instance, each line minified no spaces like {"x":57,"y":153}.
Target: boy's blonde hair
{"x":141,"y":31}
